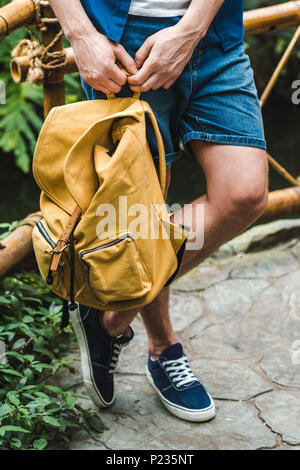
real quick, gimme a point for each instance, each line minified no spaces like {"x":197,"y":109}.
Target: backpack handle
{"x":160,"y":147}
{"x":136,"y":95}
{"x":111,"y":95}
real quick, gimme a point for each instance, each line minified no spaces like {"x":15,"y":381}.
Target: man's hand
{"x":162,"y":58}
{"x":96,"y":58}
{"x":94,"y":53}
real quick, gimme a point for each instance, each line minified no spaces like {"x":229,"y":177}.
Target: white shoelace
{"x":115,"y":358}
{"x":179,"y":371}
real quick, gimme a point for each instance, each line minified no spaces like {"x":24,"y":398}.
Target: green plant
{"x":33,"y":414}
{"x":21,"y":115}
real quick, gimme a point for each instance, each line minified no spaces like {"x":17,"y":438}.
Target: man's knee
{"x":247,"y":199}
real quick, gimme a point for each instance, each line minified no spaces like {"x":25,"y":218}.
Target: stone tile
{"x":202,"y":277}
{"x":185,"y":309}
{"x":264,"y":264}
{"x":138,"y":420}
{"x":281,"y":411}
{"x":229,"y":380}
{"x":231,"y":300}
{"x":237,"y":427}
{"x":286,"y":447}
{"x":296,"y":249}
{"x":65,"y":378}
{"x":212,"y":338}
{"x":83,"y":441}
{"x":134,"y":356}
{"x":264,"y":235}
{"x":282,"y":365}
{"x":214,"y":342}
{"x":277,"y":312}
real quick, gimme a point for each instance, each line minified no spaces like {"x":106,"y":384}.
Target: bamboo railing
{"x":255,"y":22}
{"x":18,"y":13}
{"x":21,"y":12}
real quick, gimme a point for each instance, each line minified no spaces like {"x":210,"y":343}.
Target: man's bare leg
{"x":237,"y":192}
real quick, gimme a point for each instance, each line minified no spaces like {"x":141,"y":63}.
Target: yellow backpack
{"x":95,"y":169}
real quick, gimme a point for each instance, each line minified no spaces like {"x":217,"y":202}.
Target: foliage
{"x":21,"y":116}
{"x":33,"y":414}
{"x":10,"y":227}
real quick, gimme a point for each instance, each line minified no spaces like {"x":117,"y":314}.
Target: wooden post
{"x":282,"y":203}
{"x":272,"y":18}
{"x":18,"y":245}
{"x":54,"y":84}
{"x":16,"y":14}
{"x":19,"y":66}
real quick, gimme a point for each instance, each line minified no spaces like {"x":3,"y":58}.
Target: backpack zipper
{"x":45,"y":234}
{"x":106,"y":245}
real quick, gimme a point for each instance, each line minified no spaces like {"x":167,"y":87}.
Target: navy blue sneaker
{"x":177,"y":387}
{"x":99,"y":353}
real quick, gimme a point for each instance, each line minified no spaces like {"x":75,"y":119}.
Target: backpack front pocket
{"x":115,"y":270}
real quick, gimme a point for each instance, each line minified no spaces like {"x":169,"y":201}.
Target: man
{"x":187,"y":58}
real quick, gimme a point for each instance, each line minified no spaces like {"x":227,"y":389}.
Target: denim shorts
{"x":214,"y":100}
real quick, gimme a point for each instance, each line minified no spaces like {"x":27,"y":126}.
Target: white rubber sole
{"x":196,"y":416}
{"x":86,"y":366}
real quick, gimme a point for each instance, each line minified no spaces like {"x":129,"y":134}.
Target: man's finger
{"x":108,"y":85}
{"x":112,"y":86}
{"x":153,"y":83}
{"x":126,"y":60}
{"x":143,"y":52}
{"x":143,"y":74}
{"x":168,"y":84}
{"x":117,"y":75}
{"x":99,"y":87}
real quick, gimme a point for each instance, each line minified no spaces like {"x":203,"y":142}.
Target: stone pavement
{"x":238,"y":316}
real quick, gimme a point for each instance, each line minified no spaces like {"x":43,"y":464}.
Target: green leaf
{"x":29,"y":375}
{"x":11,"y":428}
{"x":96,"y":423}
{"x":15,"y":443}
{"x":52,"y":421}
{"x":28,"y":318}
{"x":70,"y":401}
{"x":63,"y":424}
{"x":40,"y":444}
{"x":13,"y":398}
{"x":54,"y":389}
{"x":5,"y":410}
{"x":11,"y":372}
{"x":19,"y":343}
